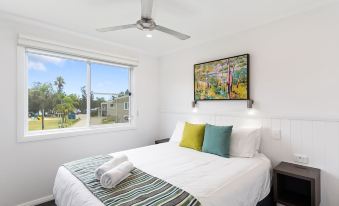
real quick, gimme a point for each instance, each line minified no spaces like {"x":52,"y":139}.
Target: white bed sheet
{"x":213,"y":180}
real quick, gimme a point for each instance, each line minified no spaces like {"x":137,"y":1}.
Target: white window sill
{"x":61,"y":133}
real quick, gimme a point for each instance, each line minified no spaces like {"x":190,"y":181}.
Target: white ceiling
{"x":202,"y":19}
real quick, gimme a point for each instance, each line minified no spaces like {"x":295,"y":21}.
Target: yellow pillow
{"x":193,"y":136}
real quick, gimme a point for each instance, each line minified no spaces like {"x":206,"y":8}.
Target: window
{"x":125,"y":105}
{"x":56,"y":92}
{"x":66,"y":93}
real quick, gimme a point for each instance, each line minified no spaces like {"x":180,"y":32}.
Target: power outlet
{"x":303,"y":159}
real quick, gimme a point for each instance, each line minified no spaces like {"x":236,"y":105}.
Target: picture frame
{"x":222,"y":79}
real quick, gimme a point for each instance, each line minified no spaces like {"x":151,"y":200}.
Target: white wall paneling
{"x":293,"y":76}
{"x":319,"y":140}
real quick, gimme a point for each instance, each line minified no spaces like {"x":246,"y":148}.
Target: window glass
{"x":56,"y":92}
{"x":58,"y":98}
{"x":110,"y":93}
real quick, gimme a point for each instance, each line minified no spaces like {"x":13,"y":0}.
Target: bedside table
{"x":159,"y":141}
{"x":296,"y":185}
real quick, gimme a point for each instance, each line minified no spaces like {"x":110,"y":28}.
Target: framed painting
{"x":223,"y":79}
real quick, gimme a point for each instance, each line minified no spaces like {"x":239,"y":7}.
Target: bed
{"x":213,"y":180}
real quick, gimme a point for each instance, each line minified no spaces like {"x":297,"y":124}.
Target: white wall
{"x":294,"y":67}
{"x":27,"y":170}
{"x":294,"y":81}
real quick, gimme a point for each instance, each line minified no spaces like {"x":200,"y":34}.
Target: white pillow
{"x":245,"y":142}
{"x":177,"y":133}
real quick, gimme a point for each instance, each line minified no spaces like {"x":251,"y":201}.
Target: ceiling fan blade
{"x":172,"y":32}
{"x":116,"y":28}
{"x":146,"y":9}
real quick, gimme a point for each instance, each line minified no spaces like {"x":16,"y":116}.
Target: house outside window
{"x":119,"y":111}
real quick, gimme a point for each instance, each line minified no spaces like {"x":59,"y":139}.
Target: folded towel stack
{"x":115,"y":161}
{"x":114,"y":176}
{"x":114,"y":171}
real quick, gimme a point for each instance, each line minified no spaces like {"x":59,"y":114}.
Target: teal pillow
{"x":217,"y":140}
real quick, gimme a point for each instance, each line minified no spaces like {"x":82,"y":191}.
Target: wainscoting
{"x":317,"y":139}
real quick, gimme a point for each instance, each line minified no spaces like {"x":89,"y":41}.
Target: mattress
{"x":213,"y":180}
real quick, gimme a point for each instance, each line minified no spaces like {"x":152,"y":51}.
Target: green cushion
{"x":217,"y":140}
{"x":193,"y":136}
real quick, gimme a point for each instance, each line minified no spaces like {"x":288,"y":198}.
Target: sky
{"x":104,"y":78}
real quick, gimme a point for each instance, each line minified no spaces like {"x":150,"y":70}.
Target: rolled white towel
{"x":118,"y":159}
{"x":114,"y":176}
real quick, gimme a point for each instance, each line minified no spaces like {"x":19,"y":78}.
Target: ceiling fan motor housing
{"x":145,"y":24}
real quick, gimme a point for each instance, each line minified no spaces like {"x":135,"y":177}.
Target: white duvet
{"x":213,"y":180}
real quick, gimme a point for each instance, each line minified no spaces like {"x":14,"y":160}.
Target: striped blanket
{"x":138,"y":189}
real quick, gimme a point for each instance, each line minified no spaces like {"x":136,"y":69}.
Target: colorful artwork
{"x":225,"y":79}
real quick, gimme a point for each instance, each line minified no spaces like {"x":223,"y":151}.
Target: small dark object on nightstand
{"x":296,"y":185}
{"x":161,"y":141}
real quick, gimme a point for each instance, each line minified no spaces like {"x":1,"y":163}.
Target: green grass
{"x":50,"y":123}
{"x":107,"y":120}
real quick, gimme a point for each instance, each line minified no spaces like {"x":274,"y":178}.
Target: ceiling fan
{"x":146,"y":23}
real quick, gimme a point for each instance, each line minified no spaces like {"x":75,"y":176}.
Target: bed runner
{"x":138,"y":189}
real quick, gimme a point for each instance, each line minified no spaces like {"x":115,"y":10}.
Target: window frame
{"x":42,"y":47}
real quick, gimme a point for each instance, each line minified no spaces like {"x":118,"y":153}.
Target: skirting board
{"x":38,"y":201}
